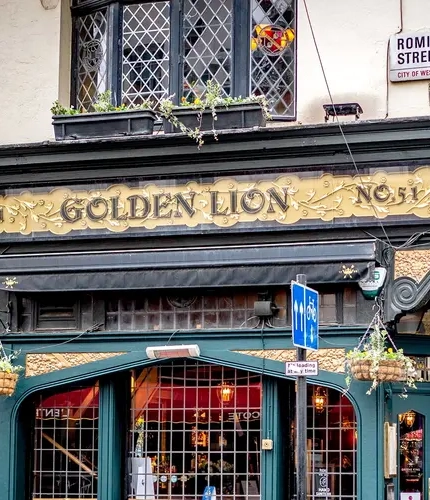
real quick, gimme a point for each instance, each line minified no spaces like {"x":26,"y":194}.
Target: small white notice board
{"x":301,"y":368}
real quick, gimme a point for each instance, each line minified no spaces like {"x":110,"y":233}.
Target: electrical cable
{"x":337,"y":118}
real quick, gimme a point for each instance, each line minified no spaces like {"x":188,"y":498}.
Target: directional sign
{"x":304,"y":313}
{"x":301,"y":368}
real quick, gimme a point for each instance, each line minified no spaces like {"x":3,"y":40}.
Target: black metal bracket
{"x":344,"y":109}
{"x":7,"y":324}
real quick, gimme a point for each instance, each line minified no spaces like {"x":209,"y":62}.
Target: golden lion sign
{"x":225,"y":203}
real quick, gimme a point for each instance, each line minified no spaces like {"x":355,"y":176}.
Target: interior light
{"x":225,"y":392}
{"x":320,"y":399}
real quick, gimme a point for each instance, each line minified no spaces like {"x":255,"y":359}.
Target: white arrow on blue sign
{"x":304,"y":313}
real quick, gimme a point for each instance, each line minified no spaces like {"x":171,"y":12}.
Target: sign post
{"x":304,"y":309}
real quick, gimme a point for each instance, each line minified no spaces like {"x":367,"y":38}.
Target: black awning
{"x":191,"y":268}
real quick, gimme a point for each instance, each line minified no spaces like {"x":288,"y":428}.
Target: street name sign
{"x":301,"y":368}
{"x":304,"y":314}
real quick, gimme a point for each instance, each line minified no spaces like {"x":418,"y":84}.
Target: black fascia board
{"x":299,"y":147}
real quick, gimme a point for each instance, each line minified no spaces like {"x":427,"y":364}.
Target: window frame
{"x":241,"y":54}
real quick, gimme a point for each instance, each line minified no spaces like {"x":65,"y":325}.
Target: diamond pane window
{"x":272,"y":53}
{"x":92,"y":58}
{"x":145,"y":56}
{"x":207,"y":44}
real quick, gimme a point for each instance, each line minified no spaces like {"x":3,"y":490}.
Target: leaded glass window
{"x":272,"y":53}
{"x":153,"y":49}
{"x":92,"y":57}
{"x":207,"y":45}
{"x":145,"y":59}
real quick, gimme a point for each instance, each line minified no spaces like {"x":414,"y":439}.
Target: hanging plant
{"x":375,"y":362}
{"x":8,"y":372}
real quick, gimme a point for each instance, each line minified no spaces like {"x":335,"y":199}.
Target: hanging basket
{"x":387,"y":370}
{"x":8,"y":383}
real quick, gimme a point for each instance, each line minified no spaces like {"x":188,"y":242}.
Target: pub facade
{"x":116,"y":253}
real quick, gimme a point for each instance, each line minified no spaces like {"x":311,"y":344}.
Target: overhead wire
{"x":337,"y":118}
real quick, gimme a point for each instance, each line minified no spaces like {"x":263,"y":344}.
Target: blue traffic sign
{"x":304,"y":313}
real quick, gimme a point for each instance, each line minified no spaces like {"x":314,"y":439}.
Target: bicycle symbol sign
{"x":304,"y":306}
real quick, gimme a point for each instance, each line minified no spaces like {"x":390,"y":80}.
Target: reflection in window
{"x":66,"y":444}
{"x":193,"y":426}
{"x":332,"y":445}
{"x":411,"y":432}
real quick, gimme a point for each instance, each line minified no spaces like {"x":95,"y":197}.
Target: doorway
{"x":413,"y":417}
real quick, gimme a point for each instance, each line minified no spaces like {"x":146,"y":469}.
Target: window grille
{"x":92,"y":65}
{"x":272,"y":63}
{"x":332,"y":447}
{"x":66,"y":445}
{"x":207,"y":45}
{"x":145,"y":61}
{"x":186,"y":434}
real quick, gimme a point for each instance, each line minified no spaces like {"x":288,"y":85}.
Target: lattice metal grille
{"x":207,"y":45}
{"x":66,"y":445}
{"x":272,"y":54}
{"x":92,"y":58}
{"x":332,"y":446}
{"x":145,"y":58}
{"x":194,"y":425}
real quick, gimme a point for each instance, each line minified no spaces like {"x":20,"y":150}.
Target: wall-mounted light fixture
{"x":173,"y":351}
{"x":320,"y":399}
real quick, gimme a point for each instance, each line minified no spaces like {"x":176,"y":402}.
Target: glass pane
{"x":92,"y":58}
{"x":192,"y":426}
{"x":145,"y":58}
{"x":207,"y":45}
{"x":411,"y":440}
{"x":332,"y":445}
{"x":66,"y":444}
{"x":272,"y":53}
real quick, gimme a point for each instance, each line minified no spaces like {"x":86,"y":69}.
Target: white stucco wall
{"x":29,"y":69}
{"x":352,"y":37}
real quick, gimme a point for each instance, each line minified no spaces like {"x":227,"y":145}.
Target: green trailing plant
{"x":103,"y":104}
{"x":374,"y":350}
{"x":211,"y":99}
{"x":6,"y":362}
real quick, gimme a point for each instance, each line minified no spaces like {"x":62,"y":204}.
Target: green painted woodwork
{"x":112,"y":435}
{"x":14,"y":427}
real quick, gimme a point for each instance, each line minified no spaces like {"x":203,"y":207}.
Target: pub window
{"x":331,"y":445}
{"x":59,"y":311}
{"x":194,"y":426}
{"x":66,"y":444}
{"x":126,"y":47}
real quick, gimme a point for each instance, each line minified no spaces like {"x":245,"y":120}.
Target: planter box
{"x":112,"y":124}
{"x":234,"y":117}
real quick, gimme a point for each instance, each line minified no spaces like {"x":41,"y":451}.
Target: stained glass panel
{"x":272,"y":53}
{"x":145,"y":57}
{"x":207,"y":44}
{"x":92,"y":58}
